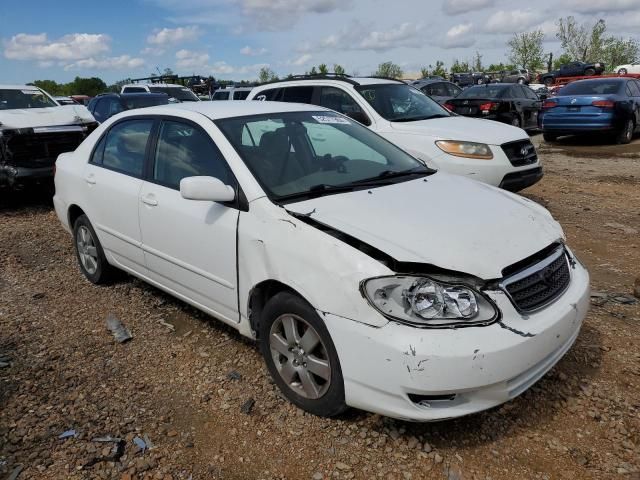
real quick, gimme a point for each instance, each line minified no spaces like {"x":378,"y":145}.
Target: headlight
{"x":479,"y":151}
{"x":426,"y":302}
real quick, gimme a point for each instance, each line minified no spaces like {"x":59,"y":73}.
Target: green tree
{"x":619,"y":51}
{"x":266,"y":75}
{"x":439,"y":69}
{"x":526,"y":50}
{"x":323,"y":69}
{"x":338,"y":69}
{"x":85,"y":86}
{"x":389,"y":70}
{"x":499,"y":67}
{"x":477,"y":62}
{"x":50,"y":86}
{"x":314,"y":71}
{"x":460,"y":67}
{"x":563,"y":59}
{"x":581,"y":42}
{"x":424,"y":72}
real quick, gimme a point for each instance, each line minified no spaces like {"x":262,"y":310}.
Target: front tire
{"x":301,"y":356}
{"x":90,"y":254}
{"x":521,"y":81}
{"x":549,"y":137}
{"x":622,"y":71}
{"x":516,"y":121}
{"x":548,"y":81}
{"x":589,"y":72}
{"x":625,"y":135}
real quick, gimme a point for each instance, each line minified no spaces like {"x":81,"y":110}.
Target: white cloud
{"x":600,"y":6}
{"x":74,"y":46}
{"x":173,"y":36}
{"x":108,"y":63}
{"x":459,"y":36}
{"x":301,"y":60}
{"x":512,"y":21}
{"x":223,"y":68}
{"x":253,"y":52}
{"x":188,"y":59}
{"x":155,"y":51}
{"x":456,"y":7}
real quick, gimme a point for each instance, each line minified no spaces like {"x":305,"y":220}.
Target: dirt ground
{"x":185,"y":382}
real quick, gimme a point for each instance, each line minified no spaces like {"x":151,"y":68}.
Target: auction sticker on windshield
{"x":331,"y":119}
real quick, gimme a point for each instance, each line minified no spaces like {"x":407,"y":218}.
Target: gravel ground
{"x":200,"y":394}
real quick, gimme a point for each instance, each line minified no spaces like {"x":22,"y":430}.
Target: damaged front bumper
{"x":434,"y":374}
{"x":29,"y":154}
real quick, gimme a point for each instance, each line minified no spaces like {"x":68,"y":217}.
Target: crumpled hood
{"x":448,"y":221}
{"x":45,"y":117}
{"x":469,"y":129}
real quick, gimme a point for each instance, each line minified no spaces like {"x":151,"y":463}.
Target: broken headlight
{"x":424,"y":301}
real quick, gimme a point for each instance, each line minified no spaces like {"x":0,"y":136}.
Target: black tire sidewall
{"x":517,"y":118}
{"x":101,"y":273}
{"x":621,"y":137}
{"x":332,"y":402}
{"x":549,"y":137}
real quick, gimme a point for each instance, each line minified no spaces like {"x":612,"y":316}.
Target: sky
{"x":233,"y":39}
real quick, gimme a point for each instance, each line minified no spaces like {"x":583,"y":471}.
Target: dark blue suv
{"x":106,"y":105}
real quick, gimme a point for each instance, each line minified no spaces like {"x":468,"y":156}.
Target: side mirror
{"x":207,"y":189}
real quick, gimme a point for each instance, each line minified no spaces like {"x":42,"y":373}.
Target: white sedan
{"x":629,"y":68}
{"x":368,"y":279}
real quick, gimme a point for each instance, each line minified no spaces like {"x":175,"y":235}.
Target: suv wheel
{"x":521,"y":81}
{"x":589,"y":72}
{"x":301,"y":356}
{"x":548,"y":81}
{"x":549,"y":137}
{"x":89,"y":252}
{"x":516,"y":122}
{"x":622,"y":71}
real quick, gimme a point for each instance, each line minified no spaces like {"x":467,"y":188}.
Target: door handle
{"x":149,"y":201}
{"x":90,"y":179}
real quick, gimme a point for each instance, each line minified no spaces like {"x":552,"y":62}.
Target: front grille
{"x":539,"y":284}
{"x":41,"y":149}
{"x":520,"y":153}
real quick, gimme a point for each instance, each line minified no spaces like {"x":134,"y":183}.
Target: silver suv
{"x":520,"y":75}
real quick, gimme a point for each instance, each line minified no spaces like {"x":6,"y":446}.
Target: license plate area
{"x":573,"y":109}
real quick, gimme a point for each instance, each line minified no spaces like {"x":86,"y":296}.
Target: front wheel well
{"x":259,"y":296}
{"x":73,"y":215}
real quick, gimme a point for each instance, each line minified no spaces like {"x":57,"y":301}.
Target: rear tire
{"x":625,"y":135}
{"x":548,"y":81}
{"x":521,"y":81}
{"x":622,"y":71}
{"x":292,"y":338}
{"x":589,"y":72}
{"x":90,"y":254}
{"x":549,"y":137}
{"x":516,"y":121}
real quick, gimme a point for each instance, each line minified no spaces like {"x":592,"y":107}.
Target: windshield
{"x":401,"y":103}
{"x":484,"y":91}
{"x":145,"y":101}
{"x":27,"y":98}
{"x":299,"y":155}
{"x":591,"y":87}
{"x":179,"y":93}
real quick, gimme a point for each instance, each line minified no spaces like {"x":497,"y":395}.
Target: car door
{"x":189,"y":246}
{"x":113,"y":179}
{"x":531,"y":106}
{"x":634,"y":90}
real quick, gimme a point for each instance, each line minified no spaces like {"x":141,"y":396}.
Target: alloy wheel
{"x":87,"y":250}
{"x":300,"y":356}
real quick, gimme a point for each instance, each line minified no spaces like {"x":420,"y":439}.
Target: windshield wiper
{"x":386,"y":175}
{"x":317,"y":191}
{"x":421,"y":117}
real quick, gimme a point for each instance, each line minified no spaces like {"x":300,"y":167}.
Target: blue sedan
{"x":608,"y":105}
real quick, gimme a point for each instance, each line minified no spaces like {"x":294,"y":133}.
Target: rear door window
{"x":240,"y":94}
{"x":298,"y":94}
{"x":126,"y":145}
{"x":101,"y":112}
{"x":633,"y":90}
{"x":270,"y":95}
{"x":134,"y":90}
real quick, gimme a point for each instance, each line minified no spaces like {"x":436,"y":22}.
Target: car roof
{"x":429,"y":81}
{"x":18,"y":87}
{"x":217,"y":110}
{"x":153,"y":85}
{"x":324,"y":79}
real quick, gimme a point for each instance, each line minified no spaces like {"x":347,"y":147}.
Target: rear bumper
{"x":517,"y":181}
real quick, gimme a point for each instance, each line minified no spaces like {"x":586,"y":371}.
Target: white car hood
{"x":44,"y":117}
{"x":462,"y":128}
{"x":448,"y":221}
